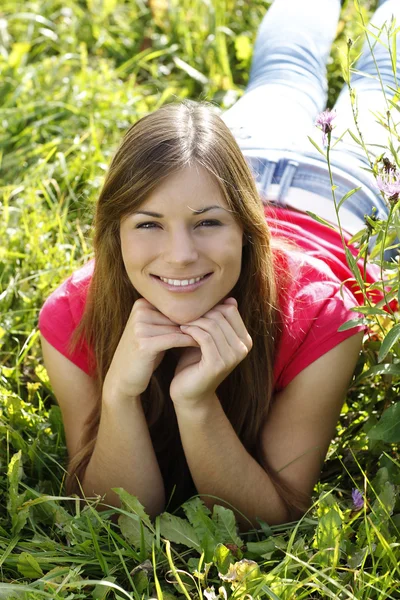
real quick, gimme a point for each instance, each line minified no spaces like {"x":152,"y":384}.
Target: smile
{"x":179,"y":285}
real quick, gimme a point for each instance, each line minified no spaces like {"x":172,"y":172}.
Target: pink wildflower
{"x":324,"y":122}
{"x":389,"y":184}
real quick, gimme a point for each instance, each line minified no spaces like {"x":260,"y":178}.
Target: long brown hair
{"x":173,"y":137}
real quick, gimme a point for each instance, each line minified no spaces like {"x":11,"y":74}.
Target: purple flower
{"x":324,"y":122}
{"x":358,"y":499}
{"x":389,"y":184}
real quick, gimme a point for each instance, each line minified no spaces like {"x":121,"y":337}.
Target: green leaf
{"x":223,"y":558}
{"x":320,"y":220}
{"x":369,"y":310}
{"x":328,"y":537}
{"x":388,"y":428}
{"x":346,"y":196}
{"x":179,"y":531}
{"x":137,"y":534}
{"x":355,"y":138}
{"x":101,"y":592}
{"x":317,"y":147}
{"x":28,"y":566}
{"x":132,"y":504}
{"x":339,"y":138}
{"x":353,"y":323}
{"x":389,"y":341}
{"x":226,"y":526}
{"x":18,"y":516}
{"x":198,"y":516}
{"x":261,"y":548}
{"x":384,"y":369}
{"x":354,"y":268}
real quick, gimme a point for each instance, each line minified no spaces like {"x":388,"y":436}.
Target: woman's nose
{"x":181,"y":249}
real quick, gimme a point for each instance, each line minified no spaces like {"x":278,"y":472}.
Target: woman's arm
{"x":295,"y":438}
{"x":123,"y":455}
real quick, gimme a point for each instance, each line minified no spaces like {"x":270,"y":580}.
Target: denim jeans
{"x":287,"y":90}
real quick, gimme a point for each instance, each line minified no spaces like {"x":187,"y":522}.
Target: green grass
{"x":74,"y":76}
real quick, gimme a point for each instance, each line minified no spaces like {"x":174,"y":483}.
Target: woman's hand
{"x":147,"y":335}
{"x":223,"y":342}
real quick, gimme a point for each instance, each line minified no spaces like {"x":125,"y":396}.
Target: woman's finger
{"x":225,"y":340}
{"x":233,"y":317}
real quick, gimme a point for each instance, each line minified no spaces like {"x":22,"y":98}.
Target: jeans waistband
{"x":289,"y":169}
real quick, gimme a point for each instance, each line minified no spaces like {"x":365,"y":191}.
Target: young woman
{"x":199,"y":352}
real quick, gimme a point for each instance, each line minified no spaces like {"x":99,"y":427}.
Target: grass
{"x":74,"y":76}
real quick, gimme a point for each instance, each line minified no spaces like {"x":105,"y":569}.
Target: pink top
{"x":313,"y":308}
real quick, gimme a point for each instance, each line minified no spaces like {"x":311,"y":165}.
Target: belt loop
{"x":267,"y":176}
{"x":286,"y":180}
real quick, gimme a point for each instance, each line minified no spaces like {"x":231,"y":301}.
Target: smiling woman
{"x":170,"y":254}
{"x":188,"y":356}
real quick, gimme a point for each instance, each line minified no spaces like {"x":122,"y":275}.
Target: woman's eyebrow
{"x":159,"y":216}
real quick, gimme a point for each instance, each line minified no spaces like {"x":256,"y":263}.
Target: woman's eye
{"x":210,"y":223}
{"x":145,"y":225}
{"x":151,"y":225}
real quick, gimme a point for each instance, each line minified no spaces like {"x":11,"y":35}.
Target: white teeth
{"x":182,"y":282}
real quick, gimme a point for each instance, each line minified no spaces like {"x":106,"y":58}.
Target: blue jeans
{"x":287,"y":90}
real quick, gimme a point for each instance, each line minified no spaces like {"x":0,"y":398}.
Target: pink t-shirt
{"x":313,"y":307}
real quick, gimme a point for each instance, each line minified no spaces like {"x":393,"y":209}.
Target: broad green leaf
{"x":198,"y":516}
{"x":223,"y":558}
{"x":226,"y":526}
{"x":388,"y":428}
{"x":179,"y":531}
{"x":389,"y":341}
{"x":28,"y":566}
{"x":261,"y":548}
{"x":134,"y":530}
{"x":328,"y":537}
{"x":132,"y":504}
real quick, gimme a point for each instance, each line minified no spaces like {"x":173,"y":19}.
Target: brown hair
{"x":173,"y":137}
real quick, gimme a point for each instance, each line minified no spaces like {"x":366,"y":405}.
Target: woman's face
{"x":190,"y":234}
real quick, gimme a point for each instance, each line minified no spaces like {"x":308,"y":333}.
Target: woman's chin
{"x":181,"y":317}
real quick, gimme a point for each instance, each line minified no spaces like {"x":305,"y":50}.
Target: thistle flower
{"x":358,"y":499}
{"x":324,"y":122}
{"x":389,"y":184}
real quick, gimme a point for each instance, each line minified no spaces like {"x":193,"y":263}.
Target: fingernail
{"x":184,"y":326}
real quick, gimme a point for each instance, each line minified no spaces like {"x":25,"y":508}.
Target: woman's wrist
{"x":114,"y":397}
{"x":199,"y":409}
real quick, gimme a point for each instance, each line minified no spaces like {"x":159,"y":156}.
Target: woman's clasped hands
{"x":211,"y":347}
{"x":223,"y":342}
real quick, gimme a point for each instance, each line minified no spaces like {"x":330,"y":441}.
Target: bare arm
{"x":295,"y":439}
{"x":123,"y":455}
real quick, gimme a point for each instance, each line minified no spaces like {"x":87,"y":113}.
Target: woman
{"x":198,"y":353}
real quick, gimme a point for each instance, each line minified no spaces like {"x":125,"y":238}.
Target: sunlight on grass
{"x":75,"y":76}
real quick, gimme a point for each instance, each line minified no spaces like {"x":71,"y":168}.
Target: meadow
{"x":74,"y":76}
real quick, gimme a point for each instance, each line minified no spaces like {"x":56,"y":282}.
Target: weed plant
{"x":74,"y":76}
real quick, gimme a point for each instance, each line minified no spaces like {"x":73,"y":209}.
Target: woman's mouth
{"x":182,"y":285}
